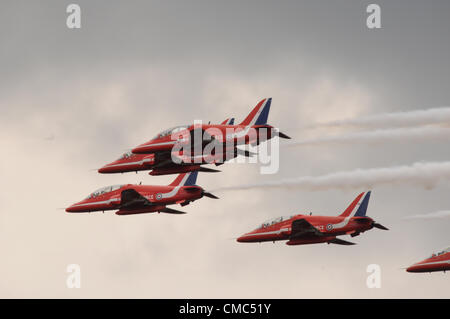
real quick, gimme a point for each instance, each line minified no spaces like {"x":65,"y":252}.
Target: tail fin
{"x":228,"y":121}
{"x":259,"y":115}
{"x":358,"y":207}
{"x":185,"y":179}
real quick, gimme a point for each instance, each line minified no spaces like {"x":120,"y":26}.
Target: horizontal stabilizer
{"x":207,"y":170}
{"x":193,"y":189}
{"x":210,"y":195}
{"x":379,"y":226}
{"x":365,"y":220}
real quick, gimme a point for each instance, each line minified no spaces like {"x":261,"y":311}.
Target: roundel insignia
{"x":158,"y":196}
{"x":329,"y":227}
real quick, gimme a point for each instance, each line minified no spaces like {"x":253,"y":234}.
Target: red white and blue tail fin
{"x":259,"y":115}
{"x":185,"y":179}
{"x":228,"y":121}
{"x":358,"y":207}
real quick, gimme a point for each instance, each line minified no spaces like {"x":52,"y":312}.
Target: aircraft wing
{"x":338,"y":241}
{"x":164,"y":164}
{"x":131,"y":199}
{"x":302,"y":228}
{"x":171,"y":211}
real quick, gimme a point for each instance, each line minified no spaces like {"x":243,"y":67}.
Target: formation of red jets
{"x":186,"y":149}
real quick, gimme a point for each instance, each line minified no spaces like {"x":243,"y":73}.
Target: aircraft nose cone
{"x":75,"y":208}
{"x":104,"y":169}
{"x":412,"y":268}
{"x":70,"y":209}
{"x":242,"y":239}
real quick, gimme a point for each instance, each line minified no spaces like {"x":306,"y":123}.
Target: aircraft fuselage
{"x":328,"y":226}
{"x":160,"y":196}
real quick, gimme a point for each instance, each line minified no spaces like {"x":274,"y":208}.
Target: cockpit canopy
{"x":446,"y":250}
{"x":275,"y":221}
{"x":104,"y":190}
{"x":126,"y":155}
{"x":171,"y":130}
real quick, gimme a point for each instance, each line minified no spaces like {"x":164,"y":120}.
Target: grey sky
{"x":134,"y":69}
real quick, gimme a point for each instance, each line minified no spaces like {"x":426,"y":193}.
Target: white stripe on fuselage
{"x":130,"y":163}
{"x":175,"y":190}
{"x":268,"y":233}
{"x":109,"y":201}
{"x":433,"y":263}
{"x":352,"y":213}
{"x":157,"y":144}
{"x":343,"y":223}
{"x":163,"y":143}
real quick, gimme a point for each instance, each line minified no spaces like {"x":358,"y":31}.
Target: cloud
{"x":415,"y":134}
{"x":419,"y":174}
{"x":442,"y":214}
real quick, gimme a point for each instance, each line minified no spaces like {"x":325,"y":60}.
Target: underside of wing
{"x":166,"y":163}
{"x":131,"y":199}
{"x":171,"y":211}
{"x":163,"y":159}
{"x":301,"y":228}
{"x":338,"y":241}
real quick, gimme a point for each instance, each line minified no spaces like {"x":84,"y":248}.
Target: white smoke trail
{"x":415,"y":134}
{"x":442,"y":214}
{"x":422,"y":174}
{"x":397,"y":119}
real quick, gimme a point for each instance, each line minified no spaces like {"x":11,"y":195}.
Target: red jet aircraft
{"x":137,"y":199}
{"x":176,"y":143}
{"x":158,"y":162}
{"x":437,"y":262}
{"x":307,"y":229}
